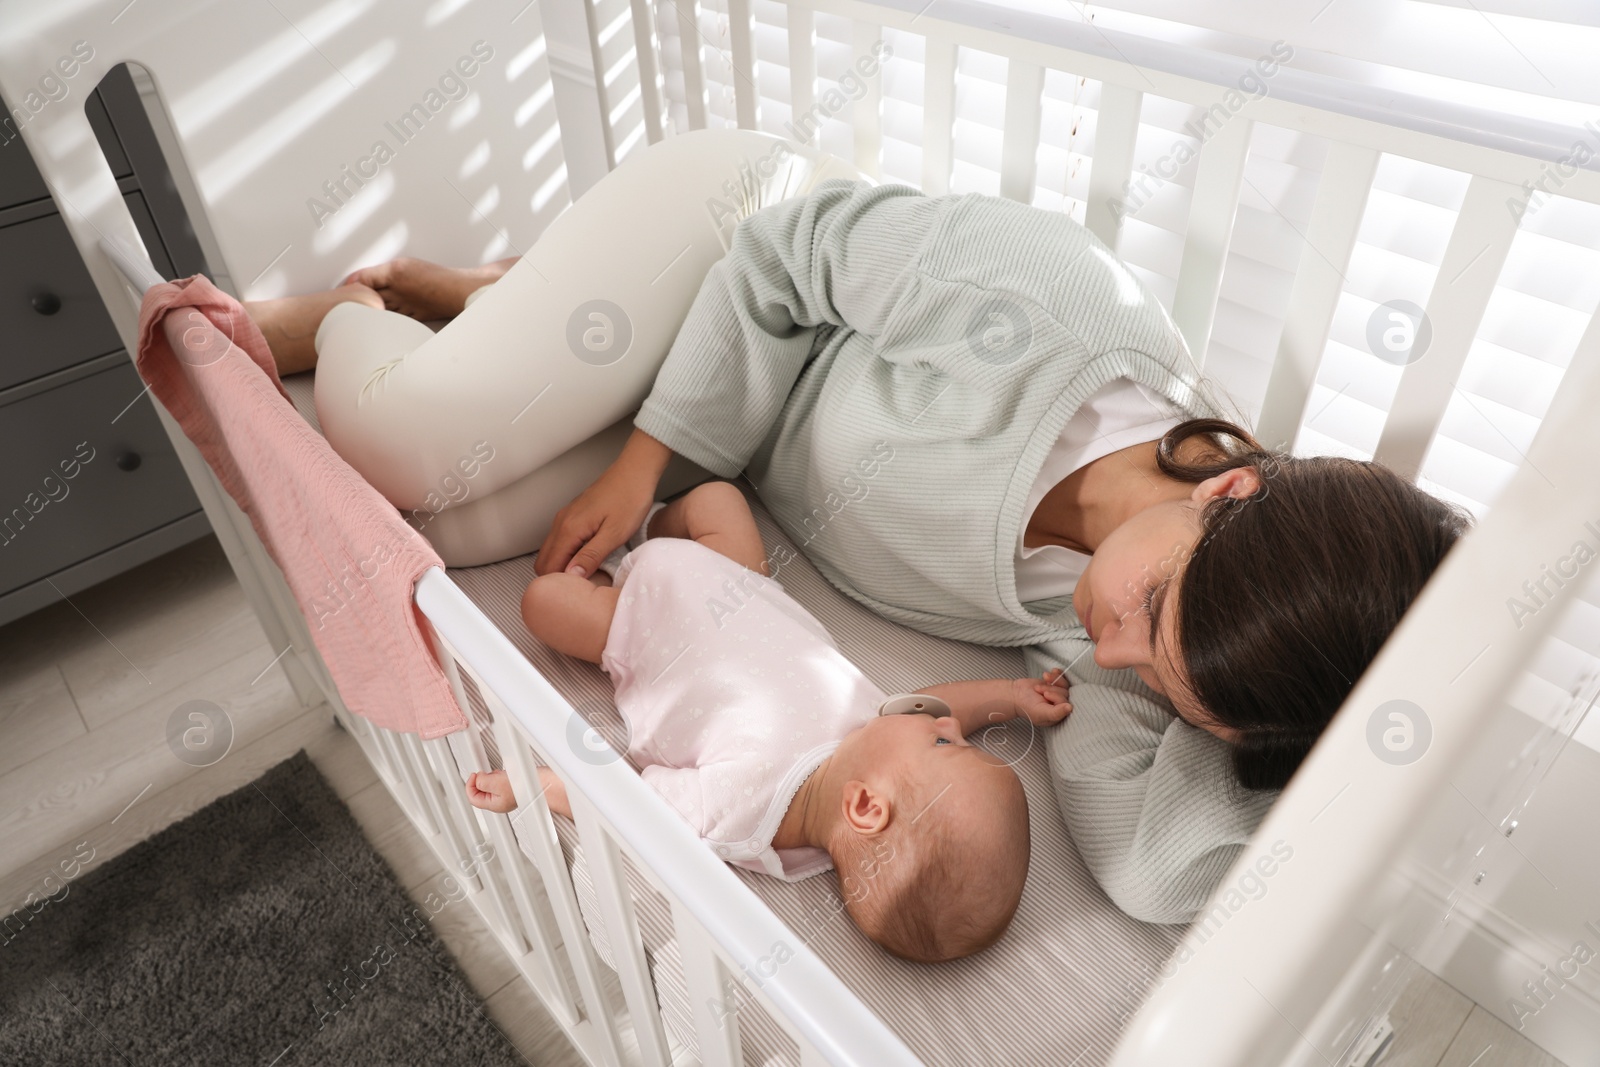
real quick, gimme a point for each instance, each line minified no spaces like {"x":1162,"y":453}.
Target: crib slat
{"x":447,"y":662}
{"x":466,"y":850}
{"x":802,"y":38}
{"x":1110,"y":167}
{"x":1210,"y":230}
{"x":1019,"y":146}
{"x":866,"y":116}
{"x":538,"y":832}
{"x":539,"y":954}
{"x":388,"y":769}
{"x":457,"y":814}
{"x":742,"y":36}
{"x":537,"y":919}
{"x":447,"y":770}
{"x":714,"y":998}
{"x":425,"y":795}
{"x":535,"y":829}
{"x":400,"y":780}
{"x":1472,"y":262}
{"x":1319,"y":279}
{"x":622,"y":929}
{"x":692,"y":54}
{"x":652,"y":85}
{"x":455,"y":835}
{"x":452,"y":672}
{"x":938,"y":115}
{"x":602,"y":91}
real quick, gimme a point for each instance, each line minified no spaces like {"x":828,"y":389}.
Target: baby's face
{"x":920,"y":747}
{"x":906,"y":739}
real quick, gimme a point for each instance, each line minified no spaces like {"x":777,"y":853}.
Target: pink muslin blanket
{"x":349,"y":559}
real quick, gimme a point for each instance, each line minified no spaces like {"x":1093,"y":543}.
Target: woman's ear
{"x":866,"y":811}
{"x":1239,"y":482}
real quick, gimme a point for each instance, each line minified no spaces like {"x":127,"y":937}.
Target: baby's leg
{"x":716,"y":515}
{"x":571,"y":614}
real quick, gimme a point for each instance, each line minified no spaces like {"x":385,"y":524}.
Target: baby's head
{"x":932,"y":843}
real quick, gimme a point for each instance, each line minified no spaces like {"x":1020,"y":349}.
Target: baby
{"x":747,"y":719}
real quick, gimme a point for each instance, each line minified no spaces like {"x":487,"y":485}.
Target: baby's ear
{"x":866,"y":811}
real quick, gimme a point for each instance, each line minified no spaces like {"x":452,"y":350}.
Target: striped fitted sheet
{"x":1057,"y":988}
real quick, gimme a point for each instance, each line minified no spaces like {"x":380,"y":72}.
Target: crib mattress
{"x":1057,"y":988}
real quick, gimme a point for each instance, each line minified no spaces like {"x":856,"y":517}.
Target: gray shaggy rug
{"x":261,"y":930}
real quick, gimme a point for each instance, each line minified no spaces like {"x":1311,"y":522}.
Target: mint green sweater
{"x":890,"y":371}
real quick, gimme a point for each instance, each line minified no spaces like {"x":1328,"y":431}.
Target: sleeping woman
{"x":1059,"y":480}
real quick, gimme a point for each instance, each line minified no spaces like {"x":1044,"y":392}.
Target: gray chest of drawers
{"x":89,"y":484}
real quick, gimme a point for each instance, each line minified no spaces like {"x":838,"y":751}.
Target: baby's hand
{"x":1045,"y":700}
{"x":491,"y":791}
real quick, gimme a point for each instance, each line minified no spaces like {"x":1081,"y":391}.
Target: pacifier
{"x":914,"y":704}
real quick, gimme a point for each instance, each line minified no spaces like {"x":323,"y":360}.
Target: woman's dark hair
{"x":1291,"y":591}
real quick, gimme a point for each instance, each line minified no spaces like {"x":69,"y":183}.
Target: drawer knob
{"x":129,"y":461}
{"x":46,"y":303}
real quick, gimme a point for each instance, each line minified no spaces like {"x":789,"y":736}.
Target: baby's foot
{"x":290,"y":324}
{"x":424,"y":290}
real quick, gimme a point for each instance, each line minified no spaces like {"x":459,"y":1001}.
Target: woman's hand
{"x":1045,"y":700}
{"x":607,"y":513}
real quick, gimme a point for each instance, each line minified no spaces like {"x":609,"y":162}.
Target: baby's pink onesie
{"x":733,"y":694}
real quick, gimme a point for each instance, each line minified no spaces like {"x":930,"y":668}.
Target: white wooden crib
{"x":1300,"y":974}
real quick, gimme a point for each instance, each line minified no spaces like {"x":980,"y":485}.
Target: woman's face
{"x":1127,"y":595}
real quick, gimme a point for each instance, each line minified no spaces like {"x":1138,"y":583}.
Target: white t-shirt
{"x":1123,"y":413}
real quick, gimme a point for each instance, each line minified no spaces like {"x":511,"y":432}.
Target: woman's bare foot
{"x":290,"y":324}
{"x":427,"y":291}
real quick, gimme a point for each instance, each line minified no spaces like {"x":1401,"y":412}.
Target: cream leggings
{"x":481,"y":432}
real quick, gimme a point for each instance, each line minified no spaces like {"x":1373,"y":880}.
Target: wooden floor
{"x":86,"y":695}
{"x":1435,"y":1026}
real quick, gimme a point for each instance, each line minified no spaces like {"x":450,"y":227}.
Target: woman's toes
{"x":360,"y":293}
{"x":377,"y":277}
{"x":421,"y":289}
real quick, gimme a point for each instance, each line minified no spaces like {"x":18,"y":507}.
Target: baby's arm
{"x":976,"y":704}
{"x":491,"y":791}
